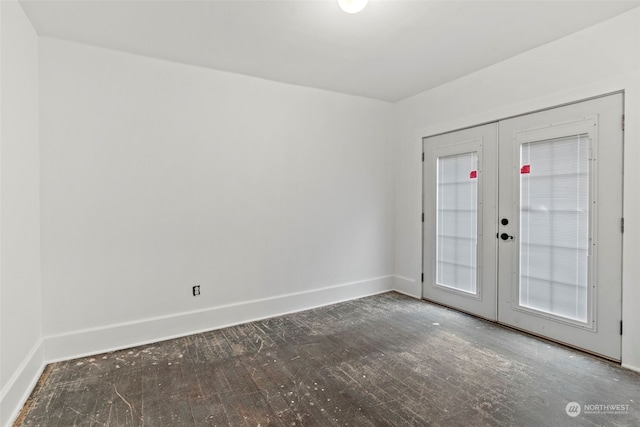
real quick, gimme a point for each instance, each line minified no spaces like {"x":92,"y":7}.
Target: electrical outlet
{"x":196,"y":290}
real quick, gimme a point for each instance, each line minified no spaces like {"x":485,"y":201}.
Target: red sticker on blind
{"x":525,"y":169}
{"x":473,"y":174}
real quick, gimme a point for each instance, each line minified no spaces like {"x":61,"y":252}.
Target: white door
{"x":522,"y":222}
{"x":460,"y":247}
{"x":560,"y":189}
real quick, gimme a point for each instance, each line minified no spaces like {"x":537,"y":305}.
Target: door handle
{"x":505,"y":236}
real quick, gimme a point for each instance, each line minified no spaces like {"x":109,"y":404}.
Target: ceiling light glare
{"x":352,"y":6}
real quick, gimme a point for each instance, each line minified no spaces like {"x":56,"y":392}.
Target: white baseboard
{"x":407,"y":286}
{"x":630,"y":367}
{"x":17,"y":390}
{"x":115,"y":337}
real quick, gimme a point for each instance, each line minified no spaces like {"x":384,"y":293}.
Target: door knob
{"x":505,"y":236}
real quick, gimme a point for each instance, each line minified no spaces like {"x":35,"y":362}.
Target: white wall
{"x":20,"y":290}
{"x":158,"y":176}
{"x":597,"y":60}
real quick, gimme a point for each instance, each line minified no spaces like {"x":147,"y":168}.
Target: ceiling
{"x":391,"y":50}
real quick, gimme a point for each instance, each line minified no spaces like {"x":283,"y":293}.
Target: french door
{"x":522,"y":222}
{"x":460,"y":247}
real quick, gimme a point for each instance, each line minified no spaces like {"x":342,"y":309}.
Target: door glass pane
{"x":457,"y":212}
{"x":554,"y":226}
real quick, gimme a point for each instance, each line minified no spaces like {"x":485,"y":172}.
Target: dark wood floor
{"x":377,"y":361}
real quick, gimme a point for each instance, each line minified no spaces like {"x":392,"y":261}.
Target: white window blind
{"x":554,"y":226}
{"x":457,"y":212}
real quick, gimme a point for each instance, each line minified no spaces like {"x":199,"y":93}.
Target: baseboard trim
{"x":93,"y":341}
{"x":18,"y":389}
{"x":407,"y":286}
{"x":116,"y":337}
{"x":630,"y":367}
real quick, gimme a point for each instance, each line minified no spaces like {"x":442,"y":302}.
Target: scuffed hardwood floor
{"x":386,"y":360}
